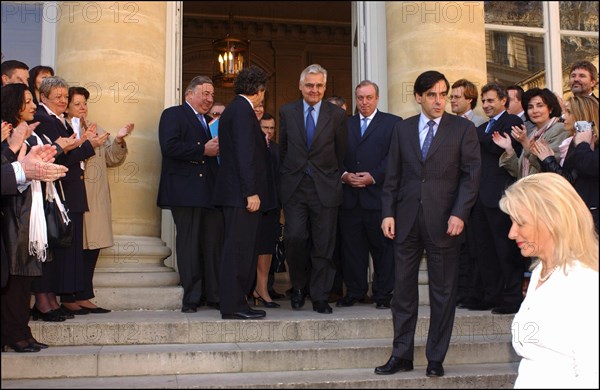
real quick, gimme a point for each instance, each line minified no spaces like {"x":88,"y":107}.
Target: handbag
{"x":59,"y":226}
{"x":278,"y":265}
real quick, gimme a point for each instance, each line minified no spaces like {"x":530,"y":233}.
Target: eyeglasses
{"x":311,"y":86}
{"x":216,"y":113}
{"x":268,"y":127}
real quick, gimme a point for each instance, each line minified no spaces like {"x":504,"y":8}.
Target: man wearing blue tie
{"x":500,"y":264}
{"x":369,"y":137}
{"x":430,"y":187}
{"x":187,"y":182}
{"x":312,"y":142}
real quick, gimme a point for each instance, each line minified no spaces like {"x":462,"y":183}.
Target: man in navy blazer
{"x":187,"y":183}
{"x":500,"y":262}
{"x":431,"y":184}
{"x":312,"y":142}
{"x":369,"y":137}
{"x":245,"y":188}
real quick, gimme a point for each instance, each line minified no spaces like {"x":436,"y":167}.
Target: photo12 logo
{"x":70,"y":11}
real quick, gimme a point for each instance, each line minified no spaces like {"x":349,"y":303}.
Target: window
{"x":22,"y":32}
{"x":517,"y":40}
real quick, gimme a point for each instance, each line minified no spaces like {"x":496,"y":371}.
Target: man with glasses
{"x":216,"y":110}
{"x":312,"y":145}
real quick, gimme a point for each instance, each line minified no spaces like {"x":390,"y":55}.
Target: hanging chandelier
{"x":231,"y":55}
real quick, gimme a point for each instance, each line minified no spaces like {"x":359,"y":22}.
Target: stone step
{"x":282,"y":324}
{"x":463,"y":376}
{"x":170,"y":359}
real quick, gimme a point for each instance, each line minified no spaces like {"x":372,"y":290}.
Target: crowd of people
{"x":457,"y":187}
{"x":47,"y":121}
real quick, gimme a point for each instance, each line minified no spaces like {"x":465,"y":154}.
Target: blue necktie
{"x":364,"y":126}
{"x":310,"y":126}
{"x":204,"y":125}
{"x":490,"y":125}
{"x":428,"y":139}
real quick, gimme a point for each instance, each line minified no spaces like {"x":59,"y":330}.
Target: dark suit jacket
{"x":368,"y":154}
{"x":245,"y":161}
{"x":325,"y":157}
{"x":187,"y":176}
{"x":445,"y":184}
{"x":73,"y":183}
{"x":494,"y":179}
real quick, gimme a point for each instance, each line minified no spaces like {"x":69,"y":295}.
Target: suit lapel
{"x":371,"y":128}
{"x":324,"y":116}
{"x":354,"y":129}
{"x":440,"y":135}
{"x":301,"y":124}
{"x":194,"y":121}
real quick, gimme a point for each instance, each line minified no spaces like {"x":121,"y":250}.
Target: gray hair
{"x":50,"y":83}
{"x":313,"y":69}
{"x":365,"y":83}
{"x":196,"y":81}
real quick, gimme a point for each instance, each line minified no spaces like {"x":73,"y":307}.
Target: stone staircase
{"x":287,"y":349}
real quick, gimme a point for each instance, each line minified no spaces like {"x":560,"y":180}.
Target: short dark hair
{"x":337,"y":100}
{"x":581,"y":65}
{"x":8,"y":67}
{"x":13,"y":100}
{"x":250,"y":81}
{"x":78,"y":91}
{"x":33,"y":74}
{"x":548,"y":97}
{"x":500,"y":91}
{"x":517,"y":88}
{"x":427,"y":80}
{"x":469,"y":89}
{"x":266,"y":116}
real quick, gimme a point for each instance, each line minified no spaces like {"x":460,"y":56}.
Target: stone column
{"x":445,"y":36}
{"x":117,"y":51}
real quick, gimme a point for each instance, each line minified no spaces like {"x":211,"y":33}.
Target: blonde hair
{"x":585,"y":108}
{"x":553,"y":202}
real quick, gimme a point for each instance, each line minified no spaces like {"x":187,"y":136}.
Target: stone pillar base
{"x":131,"y":275}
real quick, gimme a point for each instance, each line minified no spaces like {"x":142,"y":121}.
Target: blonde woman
{"x":556,"y":329}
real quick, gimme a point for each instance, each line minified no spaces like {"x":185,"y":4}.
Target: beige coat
{"x":97,"y":222}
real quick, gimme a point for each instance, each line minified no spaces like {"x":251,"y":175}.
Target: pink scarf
{"x":532,"y":138}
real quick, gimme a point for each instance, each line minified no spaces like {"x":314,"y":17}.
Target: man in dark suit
{"x":501,"y":265}
{"x":431,"y":183}
{"x":245,"y":188}
{"x":312,"y":145}
{"x":369,"y":137}
{"x":187,"y":182}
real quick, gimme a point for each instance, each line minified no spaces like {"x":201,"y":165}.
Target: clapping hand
{"x":541,"y":149}
{"x":124,"y":132}
{"x":37,"y":164}
{"x":19,"y":135}
{"x":520,"y":134}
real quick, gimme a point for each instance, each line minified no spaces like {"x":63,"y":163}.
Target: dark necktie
{"x":428,"y":139}
{"x":490,"y":125}
{"x":204,"y":125}
{"x":363,"y":128}
{"x":310,"y":126}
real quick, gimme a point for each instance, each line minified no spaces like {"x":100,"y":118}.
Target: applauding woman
{"x":97,"y":221}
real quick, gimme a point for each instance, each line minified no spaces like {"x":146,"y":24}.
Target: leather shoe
{"x":81,"y":311}
{"x":243,"y":315}
{"x":394,"y":365}
{"x":505,"y":310}
{"x":189,"y":309}
{"x":434,"y":369}
{"x":322,"y":307}
{"x":96,"y":310}
{"x":347,"y":301}
{"x":298,"y":298}
{"x":383,"y":304}
{"x":257,"y":311}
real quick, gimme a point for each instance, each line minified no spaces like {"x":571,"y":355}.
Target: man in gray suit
{"x":312,"y":142}
{"x":431,"y":183}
